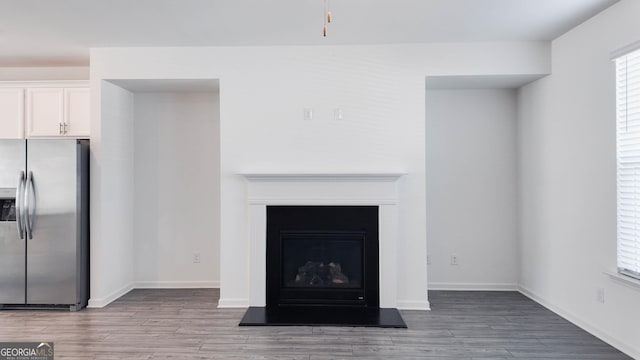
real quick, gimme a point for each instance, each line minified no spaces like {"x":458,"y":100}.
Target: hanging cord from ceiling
{"x":326,"y":14}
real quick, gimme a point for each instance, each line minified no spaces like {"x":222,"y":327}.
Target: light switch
{"x":337,"y":114}
{"x":308,"y":114}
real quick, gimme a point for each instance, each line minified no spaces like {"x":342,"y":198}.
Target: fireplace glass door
{"x":322,"y":260}
{"x":323,"y":266}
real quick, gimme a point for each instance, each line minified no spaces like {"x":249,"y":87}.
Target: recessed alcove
{"x":169,"y":184}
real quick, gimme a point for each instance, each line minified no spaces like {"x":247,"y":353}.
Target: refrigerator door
{"x":12,"y":248}
{"x":52,"y":218}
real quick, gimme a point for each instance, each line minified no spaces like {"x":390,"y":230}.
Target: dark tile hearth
{"x":323,"y":316}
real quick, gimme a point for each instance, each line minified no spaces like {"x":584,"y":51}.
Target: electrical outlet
{"x":600,"y":295}
{"x":454,"y":259}
{"x":196,"y":258}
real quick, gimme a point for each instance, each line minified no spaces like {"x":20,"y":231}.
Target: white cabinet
{"x":57,"y":112}
{"x":44,"y":109}
{"x":45,"y":112}
{"x":76,"y":111}
{"x":11,"y":113}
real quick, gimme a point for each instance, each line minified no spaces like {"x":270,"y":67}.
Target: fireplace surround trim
{"x":337,"y":189}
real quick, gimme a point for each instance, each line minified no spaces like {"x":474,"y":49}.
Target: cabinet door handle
{"x":64,"y":127}
{"x":60,"y":131}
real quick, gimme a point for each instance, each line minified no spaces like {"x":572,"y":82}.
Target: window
{"x":628,"y":161}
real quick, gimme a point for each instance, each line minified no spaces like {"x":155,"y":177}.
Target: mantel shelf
{"x":282,"y":177}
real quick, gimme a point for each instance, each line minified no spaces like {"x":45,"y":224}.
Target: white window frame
{"x":627,"y":62}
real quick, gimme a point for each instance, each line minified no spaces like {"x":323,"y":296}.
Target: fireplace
{"x":322,"y":268}
{"x":322,"y":255}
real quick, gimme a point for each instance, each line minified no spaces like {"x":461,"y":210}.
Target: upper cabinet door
{"x":76,"y":112}
{"x":12,"y":113}
{"x":45,"y":112}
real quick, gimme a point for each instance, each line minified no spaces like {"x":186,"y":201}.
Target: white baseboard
{"x":473,"y":286}
{"x":102,"y":302}
{"x":177,"y":285}
{"x":593,"y":330}
{"x":413,"y":305}
{"x":233,"y":303}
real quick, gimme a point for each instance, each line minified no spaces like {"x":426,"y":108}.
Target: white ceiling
{"x":60,"y":32}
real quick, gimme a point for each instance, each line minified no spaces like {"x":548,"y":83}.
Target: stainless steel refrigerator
{"x":44,"y":223}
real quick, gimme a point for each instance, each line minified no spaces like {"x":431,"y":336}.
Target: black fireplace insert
{"x":322,"y":255}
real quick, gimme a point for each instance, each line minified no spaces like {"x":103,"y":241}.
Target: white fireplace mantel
{"x":278,"y":188}
{"x":334,"y":176}
{"x":322,"y":188}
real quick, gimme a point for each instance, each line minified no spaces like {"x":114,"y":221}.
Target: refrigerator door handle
{"x":19,"y":203}
{"x":30,"y":204}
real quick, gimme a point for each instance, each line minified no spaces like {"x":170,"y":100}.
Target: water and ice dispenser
{"x":7,"y":205}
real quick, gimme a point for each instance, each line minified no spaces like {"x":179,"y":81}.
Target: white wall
{"x":471,"y":189}
{"x":112,"y":194}
{"x":568,"y":184}
{"x":177,"y":189}
{"x":263,"y":93}
{"x":44,"y":73}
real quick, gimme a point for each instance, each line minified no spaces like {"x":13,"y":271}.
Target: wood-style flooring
{"x":185,"y":324}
